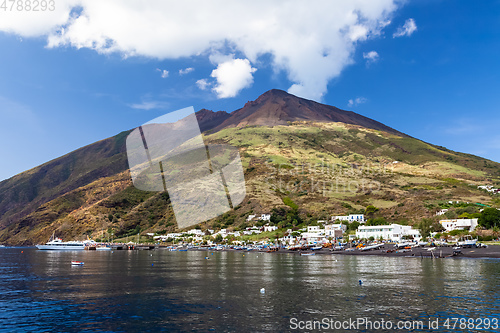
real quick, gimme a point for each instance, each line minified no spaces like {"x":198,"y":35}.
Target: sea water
{"x":164,"y":291}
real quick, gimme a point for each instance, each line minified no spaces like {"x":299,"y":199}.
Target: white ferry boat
{"x":58,"y":244}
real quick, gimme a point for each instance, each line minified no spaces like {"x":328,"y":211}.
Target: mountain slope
{"x":25,"y":192}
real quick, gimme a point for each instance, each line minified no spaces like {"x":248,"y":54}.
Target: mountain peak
{"x":277,"y":107}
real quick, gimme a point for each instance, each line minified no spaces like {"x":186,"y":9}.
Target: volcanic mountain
{"x":282,"y":139}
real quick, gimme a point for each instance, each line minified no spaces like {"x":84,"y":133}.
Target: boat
{"x":441,"y":243}
{"x":307,"y":254}
{"x":77,"y":263}
{"x":316,"y":248}
{"x":467,"y":241}
{"x":57,"y":244}
{"x":402,"y":245}
{"x":103,"y":248}
{"x":371,"y":247}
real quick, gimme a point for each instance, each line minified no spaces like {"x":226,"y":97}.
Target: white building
{"x":350,"y":218}
{"x":252,"y":230}
{"x":196,"y":232}
{"x":393,"y":232}
{"x":313,"y":235}
{"x":441,"y":212}
{"x":268,"y":227}
{"x":459,"y":224}
{"x":489,"y":188}
{"x":335,"y":230}
{"x":288,"y":239}
{"x":262,"y":217}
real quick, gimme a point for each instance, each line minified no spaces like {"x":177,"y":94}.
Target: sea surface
{"x":162,"y":291}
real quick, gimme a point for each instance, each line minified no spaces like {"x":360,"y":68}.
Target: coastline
{"x":491,"y":252}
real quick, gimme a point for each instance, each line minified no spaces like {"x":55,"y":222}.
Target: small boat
{"x":467,"y":241}
{"x":103,"y":248}
{"x":316,"y":248}
{"x":371,"y":247}
{"x":308,"y":254}
{"x":77,"y":263}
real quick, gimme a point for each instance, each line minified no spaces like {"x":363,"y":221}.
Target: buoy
{"x":262,"y":290}
{"x":212,"y":254}
{"x":243,"y":255}
{"x":360,"y":282}
{"x":152,"y":264}
{"x":22,"y":251}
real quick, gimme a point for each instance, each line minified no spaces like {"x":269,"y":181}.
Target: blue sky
{"x":427,"y":68}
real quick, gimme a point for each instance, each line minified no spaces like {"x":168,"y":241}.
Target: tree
{"x":376,"y":221}
{"x":353,"y":226}
{"x":218,"y":238}
{"x":490,"y":217}
{"x":370,"y":210}
{"x":425,"y":227}
{"x":437,"y":227}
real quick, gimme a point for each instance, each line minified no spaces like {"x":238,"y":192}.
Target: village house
{"x":459,"y":224}
{"x":335,"y":230}
{"x":313,"y":235}
{"x":393,"y":232}
{"x":252,"y":230}
{"x":268,"y":228}
{"x":262,"y":217}
{"x":360,"y":218}
{"x":489,"y":188}
{"x":441,"y":212}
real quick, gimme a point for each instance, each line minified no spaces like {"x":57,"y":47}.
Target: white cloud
{"x":356,"y":101}
{"x":312,"y":42}
{"x":232,"y":76}
{"x":164,"y":73}
{"x":203,"y":84}
{"x":186,"y":70}
{"x":371,"y":57}
{"x":407,"y":29}
{"x":149,"y":105}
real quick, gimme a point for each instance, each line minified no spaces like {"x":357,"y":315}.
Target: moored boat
{"x":77,"y":263}
{"x":467,"y":241}
{"x":56,"y":243}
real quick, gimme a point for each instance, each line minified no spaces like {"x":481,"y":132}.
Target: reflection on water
{"x":128,"y":291}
